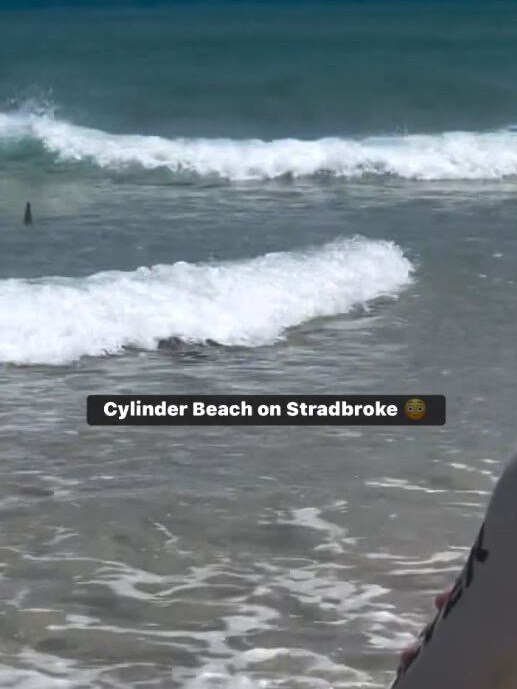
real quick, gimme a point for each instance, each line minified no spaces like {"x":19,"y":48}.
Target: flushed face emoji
{"x":415,"y":409}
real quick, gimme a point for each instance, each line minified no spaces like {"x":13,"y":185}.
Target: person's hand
{"x":410,"y":652}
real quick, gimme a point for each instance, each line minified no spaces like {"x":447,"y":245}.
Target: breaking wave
{"x":248,"y":303}
{"x":449,"y":155}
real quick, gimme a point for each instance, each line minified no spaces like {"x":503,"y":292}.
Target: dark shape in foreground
{"x":27,"y":216}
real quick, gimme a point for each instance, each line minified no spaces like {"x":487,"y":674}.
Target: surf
{"x":247,"y":303}
{"x":442,"y":156}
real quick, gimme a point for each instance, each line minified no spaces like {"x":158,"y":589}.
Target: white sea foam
{"x":449,"y":155}
{"x":247,"y":303}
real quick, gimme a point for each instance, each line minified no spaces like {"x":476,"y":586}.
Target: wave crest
{"x":247,"y":303}
{"x":450,"y":155}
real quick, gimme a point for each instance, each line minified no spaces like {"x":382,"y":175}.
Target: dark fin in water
{"x":27,"y":217}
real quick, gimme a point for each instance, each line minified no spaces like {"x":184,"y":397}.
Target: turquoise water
{"x":268,"y":70}
{"x":290,"y":197}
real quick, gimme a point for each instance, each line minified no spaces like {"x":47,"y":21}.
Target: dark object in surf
{"x":27,"y":216}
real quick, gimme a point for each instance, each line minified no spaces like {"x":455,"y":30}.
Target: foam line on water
{"x":241,"y":303}
{"x":442,"y":156}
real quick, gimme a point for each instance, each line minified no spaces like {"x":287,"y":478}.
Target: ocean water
{"x":292,"y":197}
